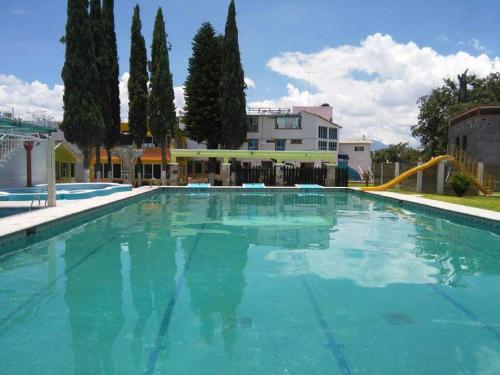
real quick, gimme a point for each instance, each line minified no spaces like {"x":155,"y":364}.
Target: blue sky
{"x":30,"y":31}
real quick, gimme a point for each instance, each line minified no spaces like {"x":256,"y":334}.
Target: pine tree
{"x":233,"y":97}
{"x":82,"y":122}
{"x":161,"y":107}
{"x":138,"y":82}
{"x":112,"y":127}
{"x":202,"y":109}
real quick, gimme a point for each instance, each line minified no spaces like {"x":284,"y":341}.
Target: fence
{"x":297,"y":175}
{"x":341,"y":177}
{"x":244,"y":175}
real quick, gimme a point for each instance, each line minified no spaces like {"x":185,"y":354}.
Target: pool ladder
{"x":154,"y":182}
{"x":39,"y":199}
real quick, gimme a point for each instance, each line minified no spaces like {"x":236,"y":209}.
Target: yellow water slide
{"x":403,"y":176}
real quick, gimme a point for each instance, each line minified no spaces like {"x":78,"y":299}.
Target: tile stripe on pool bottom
{"x":327,"y":332}
{"x":472,"y":316}
{"x":165,"y":322}
{"x":49,"y":285}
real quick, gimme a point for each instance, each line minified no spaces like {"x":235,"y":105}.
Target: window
{"x":322,"y":145}
{"x":280,"y":145}
{"x":117,"y":171}
{"x":148,"y":142}
{"x":322,"y":132}
{"x":359,"y":148}
{"x":72,"y":170}
{"x":148,"y":171}
{"x":64,"y":169}
{"x":156,"y":170}
{"x":253,"y":144}
{"x":288,"y":122}
{"x":457,"y":141}
{"x":296,"y":141}
{"x":332,"y":146}
{"x":464,"y":143}
{"x":332,"y":133}
{"x":253,"y":124}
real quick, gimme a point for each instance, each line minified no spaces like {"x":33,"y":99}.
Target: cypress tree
{"x":202,"y":109}
{"x":112,"y":127}
{"x":82,"y":122}
{"x":102,"y":92}
{"x":161,"y":107}
{"x":233,"y":97}
{"x":138,"y":82}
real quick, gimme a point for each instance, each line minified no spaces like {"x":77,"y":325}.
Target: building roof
{"x":352,"y":141}
{"x":483,"y":109}
{"x":321,"y":117}
{"x":153,"y":155}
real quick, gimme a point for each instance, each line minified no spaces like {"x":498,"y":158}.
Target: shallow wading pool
{"x":63,"y":191}
{"x":257,"y":282}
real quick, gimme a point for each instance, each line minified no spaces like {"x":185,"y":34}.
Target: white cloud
{"x":27,"y":97}
{"x":442,"y":38}
{"x":20,"y":12}
{"x":381,"y":103}
{"x":474,"y":43}
{"x":249,"y":82}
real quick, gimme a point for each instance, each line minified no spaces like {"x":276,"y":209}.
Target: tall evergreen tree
{"x":82,"y":122}
{"x":161,"y":107}
{"x":233,"y":97}
{"x":203,"y":109}
{"x":102,"y":91}
{"x":112,"y":127}
{"x":138,"y":82}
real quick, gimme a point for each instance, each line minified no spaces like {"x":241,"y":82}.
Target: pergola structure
{"x":328,"y":157}
{"x":279,"y":156}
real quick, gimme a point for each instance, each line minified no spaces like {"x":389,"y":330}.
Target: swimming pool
{"x":63,"y":191}
{"x":255,"y":283}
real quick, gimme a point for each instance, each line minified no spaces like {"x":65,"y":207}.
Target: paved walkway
{"x":21,"y":222}
{"x":458,"y":208}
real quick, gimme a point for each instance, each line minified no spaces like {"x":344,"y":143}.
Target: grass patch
{"x":488,"y":203}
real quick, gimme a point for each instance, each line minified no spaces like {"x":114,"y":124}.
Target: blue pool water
{"x":254,"y":283}
{"x":63,"y":191}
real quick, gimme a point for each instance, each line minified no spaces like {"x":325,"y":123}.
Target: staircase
{"x":469,"y":167}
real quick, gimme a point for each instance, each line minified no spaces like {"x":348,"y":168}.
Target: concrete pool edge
{"x":14,"y":230}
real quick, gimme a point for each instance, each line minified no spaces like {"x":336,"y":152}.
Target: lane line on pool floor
{"x":333,"y":345}
{"x":471,"y":315}
{"x":49,"y":285}
{"x":167,"y":316}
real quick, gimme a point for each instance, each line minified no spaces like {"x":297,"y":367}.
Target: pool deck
{"x":451,"y":207}
{"x":21,"y":224}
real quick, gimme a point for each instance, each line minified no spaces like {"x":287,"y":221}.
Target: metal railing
{"x":9,"y":143}
{"x":469,"y":166}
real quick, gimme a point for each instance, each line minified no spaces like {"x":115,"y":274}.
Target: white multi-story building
{"x":299,"y":129}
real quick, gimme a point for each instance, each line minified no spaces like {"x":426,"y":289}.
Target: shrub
{"x":460,"y":184}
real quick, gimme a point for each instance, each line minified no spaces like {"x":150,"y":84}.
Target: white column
{"x":174,"y":169}
{"x":480,"y":174}
{"x":330,"y":174}
{"x":51,"y":172}
{"x":419,"y":179}
{"x":396,"y":173}
{"x":279,"y":173}
{"x":225,"y":170}
{"x":440,"y":178}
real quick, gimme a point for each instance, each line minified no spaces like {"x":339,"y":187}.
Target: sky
{"x":369,"y":59}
